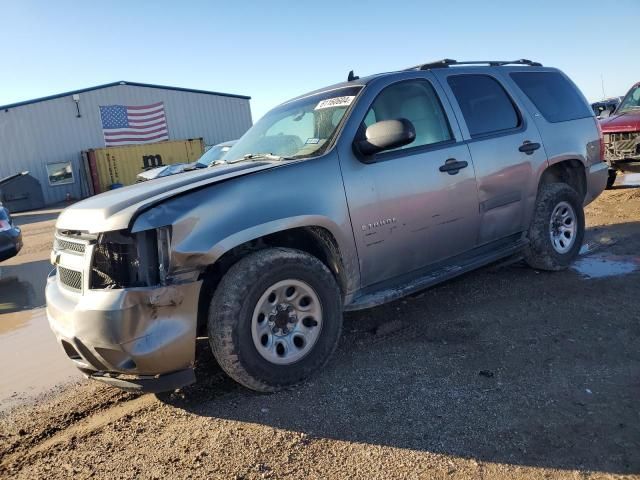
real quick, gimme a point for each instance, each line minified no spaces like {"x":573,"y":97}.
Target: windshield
{"x":214,"y":153}
{"x":631,"y":101}
{"x":299,"y":129}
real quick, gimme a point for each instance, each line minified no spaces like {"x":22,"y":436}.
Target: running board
{"x":375,"y":295}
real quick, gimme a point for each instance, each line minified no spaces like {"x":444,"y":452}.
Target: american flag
{"x":122,"y":124}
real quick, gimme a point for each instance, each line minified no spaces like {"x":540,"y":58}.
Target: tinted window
{"x":485,"y":105}
{"x":554,"y":96}
{"x":417,"y":102}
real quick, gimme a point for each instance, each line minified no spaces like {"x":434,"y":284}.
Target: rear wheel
{"x":275,"y":318}
{"x":557,"y":228}
{"x":611,"y":179}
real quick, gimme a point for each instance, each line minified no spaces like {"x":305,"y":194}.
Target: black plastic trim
{"x":149,"y":384}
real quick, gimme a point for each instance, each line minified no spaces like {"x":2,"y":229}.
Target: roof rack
{"x":447,"y":62}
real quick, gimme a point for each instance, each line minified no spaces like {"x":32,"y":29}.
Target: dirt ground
{"x":503,"y":373}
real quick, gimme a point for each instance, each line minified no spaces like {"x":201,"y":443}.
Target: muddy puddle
{"x":606,"y":265}
{"x":31,"y":361}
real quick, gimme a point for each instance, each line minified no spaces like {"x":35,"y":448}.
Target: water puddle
{"x":630,"y":179}
{"x":22,"y":285}
{"x":31,"y":361}
{"x":602,"y":265}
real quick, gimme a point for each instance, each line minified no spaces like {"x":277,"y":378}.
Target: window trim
{"x":402,"y":152}
{"x":494,"y":133}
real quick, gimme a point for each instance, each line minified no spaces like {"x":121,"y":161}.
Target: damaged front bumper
{"x":140,"y":339}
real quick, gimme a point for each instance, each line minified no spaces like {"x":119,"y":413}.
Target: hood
{"x":625,"y":122}
{"x":114,"y":210}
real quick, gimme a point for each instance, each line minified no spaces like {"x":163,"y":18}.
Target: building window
{"x":60,"y":173}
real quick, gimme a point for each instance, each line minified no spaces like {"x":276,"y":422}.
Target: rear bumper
{"x":139,"y":339}
{"x":596,"y":181}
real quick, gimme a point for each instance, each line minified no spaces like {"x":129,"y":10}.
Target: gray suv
{"x":341,"y":199}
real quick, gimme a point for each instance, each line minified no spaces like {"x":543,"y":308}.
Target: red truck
{"x":621,"y":132}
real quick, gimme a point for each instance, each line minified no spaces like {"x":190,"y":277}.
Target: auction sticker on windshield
{"x":335,"y":102}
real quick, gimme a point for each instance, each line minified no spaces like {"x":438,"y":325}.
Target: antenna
{"x":351,"y":77}
{"x":602,"y":81}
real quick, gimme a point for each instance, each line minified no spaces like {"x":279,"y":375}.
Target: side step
{"x":375,"y":295}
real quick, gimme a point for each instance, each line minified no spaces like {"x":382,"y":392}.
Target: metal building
{"x":47,"y":135}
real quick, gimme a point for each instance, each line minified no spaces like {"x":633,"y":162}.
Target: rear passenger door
{"x":505,"y":145}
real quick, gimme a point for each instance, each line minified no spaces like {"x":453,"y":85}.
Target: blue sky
{"x":274,"y":50}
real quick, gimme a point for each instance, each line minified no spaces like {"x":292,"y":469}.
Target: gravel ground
{"x":503,"y":373}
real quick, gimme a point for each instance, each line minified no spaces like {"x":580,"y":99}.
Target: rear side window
{"x":554,"y":96}
{"x":485,"y":105}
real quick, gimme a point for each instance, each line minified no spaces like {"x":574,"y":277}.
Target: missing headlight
{"x":123,"y":260}
{"x":164,"y":253}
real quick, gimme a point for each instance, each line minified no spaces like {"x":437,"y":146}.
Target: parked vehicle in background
{"x":621,"y":132}
{"x":212,"y":156}
{"x":341,"y":199}
{"x":606,"y":107}
{"x":10,"y":235}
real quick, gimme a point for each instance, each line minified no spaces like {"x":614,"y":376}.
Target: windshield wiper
{"x":265,"y":156}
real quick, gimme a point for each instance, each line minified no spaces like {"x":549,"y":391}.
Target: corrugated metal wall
{"x":36,"y":134}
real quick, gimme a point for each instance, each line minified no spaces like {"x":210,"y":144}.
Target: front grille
{"x":70,"y":278}
{"x":75,"y":247}
{"x":621,"y":145}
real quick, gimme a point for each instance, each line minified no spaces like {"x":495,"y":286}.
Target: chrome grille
{"x":70,"y":278}
{"x":62,"y":244}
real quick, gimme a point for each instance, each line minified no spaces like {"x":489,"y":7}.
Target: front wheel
{"x":275,"y":318}
{"x":611,"y":179}
{"x":557,"y":228}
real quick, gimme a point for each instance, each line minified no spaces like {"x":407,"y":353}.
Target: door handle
{"x":452,"y":166}
{"x":529,"y":147}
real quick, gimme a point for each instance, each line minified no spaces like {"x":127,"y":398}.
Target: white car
{"x":213,"y":156}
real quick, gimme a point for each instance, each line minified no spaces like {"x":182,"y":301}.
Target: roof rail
{"x":447,"y":62}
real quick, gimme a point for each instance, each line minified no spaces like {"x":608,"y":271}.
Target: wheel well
{"x":316,"y":241}
{"x":570,"y":172}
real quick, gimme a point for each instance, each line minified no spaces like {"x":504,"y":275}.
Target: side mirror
{"x":385,"y":135}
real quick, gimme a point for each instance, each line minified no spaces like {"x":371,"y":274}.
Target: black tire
{"x":540,"y":253}
{"x":611,"y":179}
{"x":231,"y":311}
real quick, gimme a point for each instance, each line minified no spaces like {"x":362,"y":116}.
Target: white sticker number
{"x":335,"y":102}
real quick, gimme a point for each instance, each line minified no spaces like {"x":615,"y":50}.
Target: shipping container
{"x":111,"y":167}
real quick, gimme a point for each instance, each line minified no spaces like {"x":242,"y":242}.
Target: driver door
{"x":408,"y":211}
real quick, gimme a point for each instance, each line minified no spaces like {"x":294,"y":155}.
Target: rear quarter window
{"x":557,"y":99}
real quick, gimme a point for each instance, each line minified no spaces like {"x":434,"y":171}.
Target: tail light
{"x":601,"y":141}
{"x":4,"y":225}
